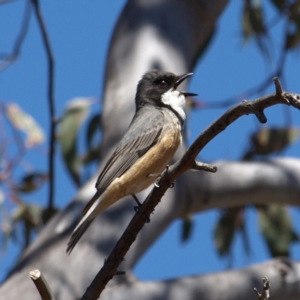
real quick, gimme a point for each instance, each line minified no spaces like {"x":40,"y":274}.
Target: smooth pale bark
{"x":283,"y":274}
{"x":167,"y":35}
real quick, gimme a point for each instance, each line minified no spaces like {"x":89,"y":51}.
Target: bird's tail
{"x":89,"y":214}
{"x":78,"y":232}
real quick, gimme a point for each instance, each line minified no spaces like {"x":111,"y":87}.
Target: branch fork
{"x":187,"y":162}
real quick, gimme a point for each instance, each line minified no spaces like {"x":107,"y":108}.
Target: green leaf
{"x":93,"y":152}
{"x":279,"y":4}
{"x":271,"y":140}
{"x":30,"y":182}
{"x":29,"y":213}
{"x":24,"y":122}
{"x":92,"y":128}
{"x":293,"y":33}
{"x":74,"y":115}
{"x":292,"y":40}
{"x":253,"y":24}
{"x":276,"y":227}
{"x":231,"y":220}
{"x":47,"y":214}
{"x":245,"y":239}
{"x":186,"y":228}
{"x":30,"y":216}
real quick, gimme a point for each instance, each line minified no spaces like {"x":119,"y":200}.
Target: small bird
{"x":147,"y":147}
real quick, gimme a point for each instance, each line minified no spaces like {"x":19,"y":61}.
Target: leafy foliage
{"x":256,"y":26}
{"x":24,"y":122}
{"x":30,"y":182}
{"x":276,"y":225}
{"x":277,"y":229}
{"x":75,"y":114}
{"x":25,"y":135}
{"x":267,"y":141}
{"x":231,"y":221}
{"x":291,"y":11}
{"x":186,"y":228}
{"x":93,"y":151}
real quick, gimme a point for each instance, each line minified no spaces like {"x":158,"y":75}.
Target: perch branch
{"x":51,"y":102}
{"x":186,"y":163}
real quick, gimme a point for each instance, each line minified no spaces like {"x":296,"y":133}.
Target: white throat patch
{"x":176,"y":101}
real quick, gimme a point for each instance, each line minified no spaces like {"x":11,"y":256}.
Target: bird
{"x":149,"y":144}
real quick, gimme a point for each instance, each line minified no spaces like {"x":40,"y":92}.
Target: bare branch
{"x":261,"y":117}
{"x":256,"y":89}
{"x":7,"y":1}
{"x":200,"y":166}
{"x":9,"y":59}
{"x":41,"y":285}
{"x":187,"y":162}
{"x":277,"y":86}
{"x":51,"y":102}
{"x":244,"y":108}
{"x":265,"y":295}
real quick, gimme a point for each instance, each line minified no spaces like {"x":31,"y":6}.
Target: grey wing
{"x":142,"y":134}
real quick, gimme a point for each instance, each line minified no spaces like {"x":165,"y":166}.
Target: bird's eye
{"x":162,"y":83}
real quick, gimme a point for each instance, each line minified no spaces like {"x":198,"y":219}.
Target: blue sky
{"x":80,"y":32}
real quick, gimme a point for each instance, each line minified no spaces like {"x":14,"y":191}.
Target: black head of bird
{"x":155,"y":83}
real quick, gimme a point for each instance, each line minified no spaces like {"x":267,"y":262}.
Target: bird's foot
{"x":158,"y":177}
{"x":137,"y":208}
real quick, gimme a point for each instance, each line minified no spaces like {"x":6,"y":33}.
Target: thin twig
{"x":41,"y":285}
{"x":254,"y":90}
{"x":186,"y":163}
{"x":9,"y":59}
{"x":265,"y":295}
{"x":200,"y":166}
{"x":7,"y":1}
{"x":51,"y":102}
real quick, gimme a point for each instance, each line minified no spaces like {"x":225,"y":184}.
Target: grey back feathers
{"x":150,"y":142}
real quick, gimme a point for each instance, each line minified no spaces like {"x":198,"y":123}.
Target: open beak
{"x":180,"y":80}
{"x":187,"y":94}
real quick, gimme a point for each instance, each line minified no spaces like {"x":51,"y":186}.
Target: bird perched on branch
{"x":146,"y":148}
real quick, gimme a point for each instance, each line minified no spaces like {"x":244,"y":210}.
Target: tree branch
{"x":245,"y":108}
{"x":9,"y":59}
{"x":259,"y":88}
{"x":187,"y":162}
{"x":51,"y":102}
{"x":41,"y":285}
{"x":227,"y":285}
{"x":265,"y":295}
{"x":168,"y":52}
